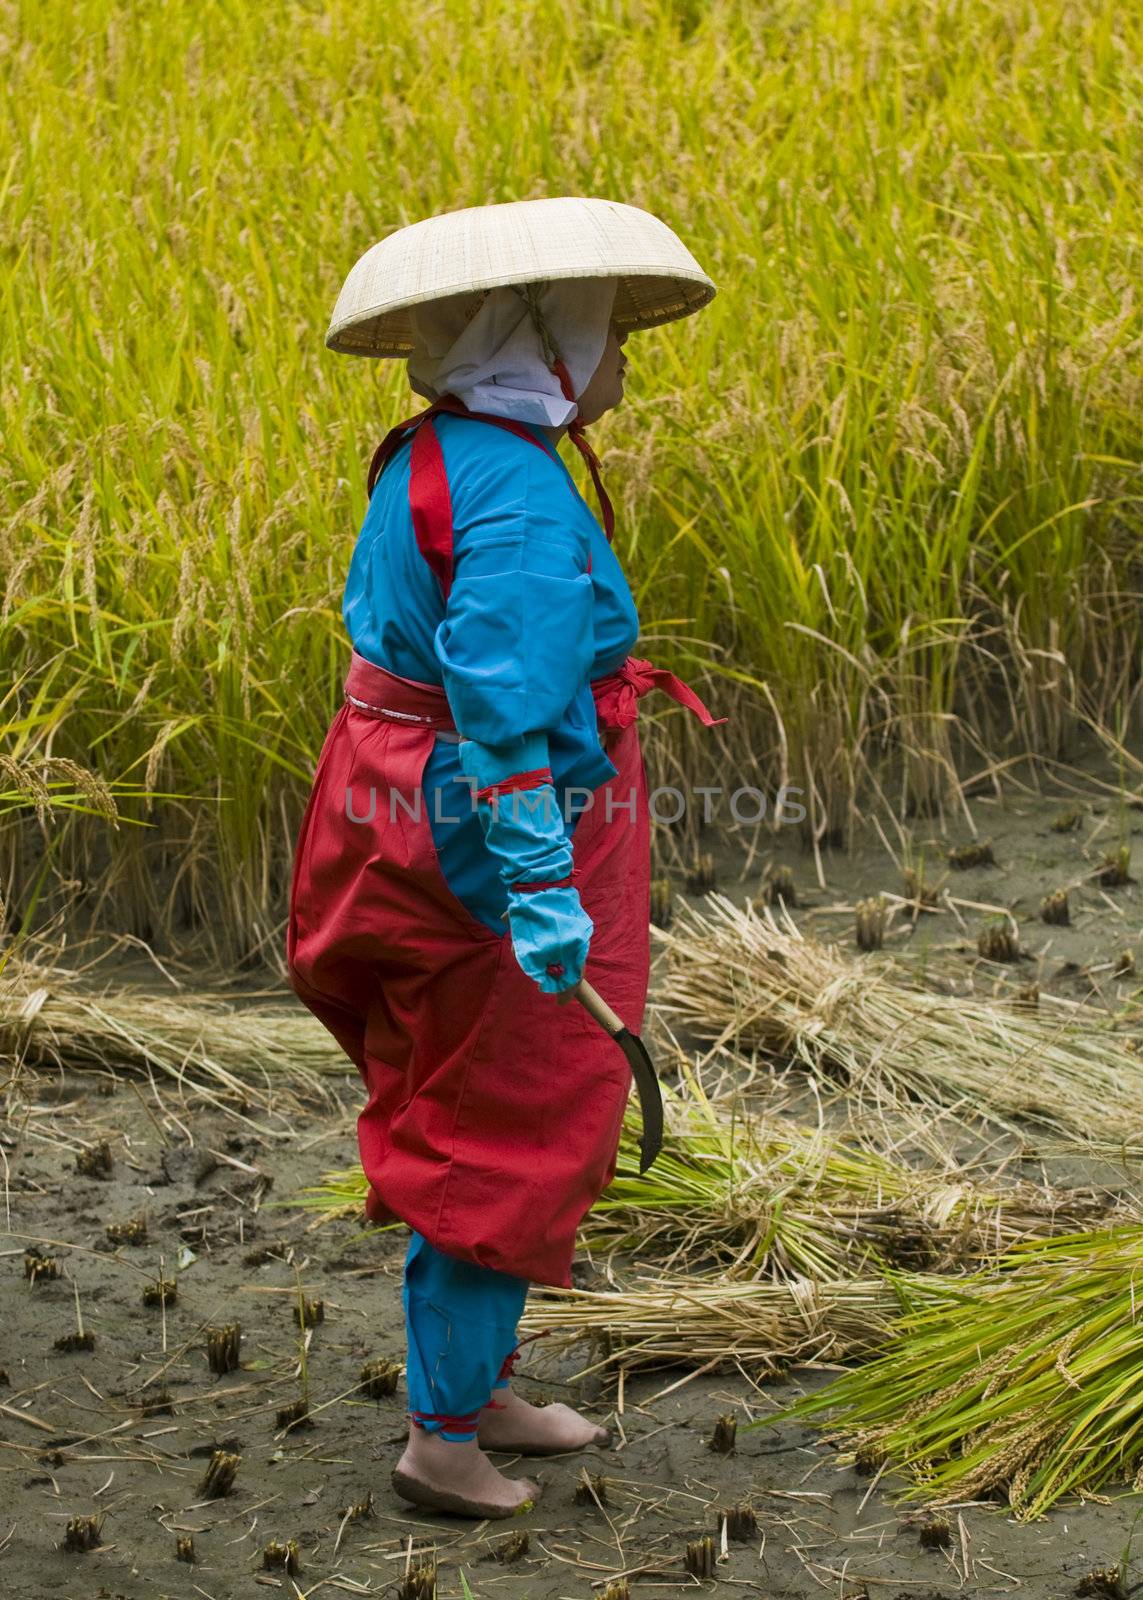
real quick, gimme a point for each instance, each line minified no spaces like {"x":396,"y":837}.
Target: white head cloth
{"x":494,"y":361}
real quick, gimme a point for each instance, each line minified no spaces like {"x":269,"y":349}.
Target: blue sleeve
{"x":524,"y":829}
{"x":516,"y":643}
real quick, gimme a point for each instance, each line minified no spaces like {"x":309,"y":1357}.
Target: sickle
{"x":642,"y":1068}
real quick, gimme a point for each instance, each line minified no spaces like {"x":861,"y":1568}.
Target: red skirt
{"x":493,"y":1113}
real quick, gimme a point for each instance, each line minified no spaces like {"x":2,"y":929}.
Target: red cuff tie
{"x":548,"y":883}
{"x":447,"y":1424}
{"x":516,"y":780}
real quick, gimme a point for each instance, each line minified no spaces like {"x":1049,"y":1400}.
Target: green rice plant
{"x":743,"y":977}
{"x":38,"y":789}
{"x":1025,"y":1384}
{"x":885,"y":491}
{"x":339,"y":1194}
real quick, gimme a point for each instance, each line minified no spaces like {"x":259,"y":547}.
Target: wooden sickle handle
{"x":597,"y":1006}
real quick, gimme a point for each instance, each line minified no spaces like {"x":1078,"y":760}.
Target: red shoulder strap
{"x":578,"y":437}
{"x":389,"y":446}
{"x":431,"y":504}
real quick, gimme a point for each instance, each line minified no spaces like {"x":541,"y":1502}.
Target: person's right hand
{"x":551,"y":933}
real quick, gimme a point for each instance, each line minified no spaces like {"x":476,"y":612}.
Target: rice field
{"x":882,"y":502}
{"x":884,"y":492}
{"x":852,"y":1185}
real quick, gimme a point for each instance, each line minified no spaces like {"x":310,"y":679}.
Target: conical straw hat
{"x":523,"y":241}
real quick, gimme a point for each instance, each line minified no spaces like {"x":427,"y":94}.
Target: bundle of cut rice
{"x":739,"y":975}
{"x":674,"y":1320}
{"x":1024,"y":1384}
{"x":224,"y":1049}
{"x":756,"y":1195}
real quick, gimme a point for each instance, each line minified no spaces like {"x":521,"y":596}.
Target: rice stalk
{"x":338,"y":1195}
{"x":1024,"y":1384}
{"x":53,"y":783}
{"x":741,"y":975}
{"x":228,"y":1050}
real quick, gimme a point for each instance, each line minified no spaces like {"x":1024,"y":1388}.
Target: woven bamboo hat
{"x":523,"y":241}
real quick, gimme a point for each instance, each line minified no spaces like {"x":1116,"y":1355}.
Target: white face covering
{"x":493,"y":360}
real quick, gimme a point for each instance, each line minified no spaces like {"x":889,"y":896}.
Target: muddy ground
{"x":76,"y":1439}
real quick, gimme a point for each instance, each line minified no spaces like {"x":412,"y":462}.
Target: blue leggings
{"x":461,"y":1324}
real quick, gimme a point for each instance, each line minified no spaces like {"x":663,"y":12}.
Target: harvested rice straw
{"x":755,"y":1195}
{"x":216,"y":1048}
{"x":1025,"y":1384}
{"x":736,"y":974}
{"x":693,"y":1321}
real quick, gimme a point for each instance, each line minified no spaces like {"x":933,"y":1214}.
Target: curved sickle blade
{"x":650,"y":1095}
{"x":642,"y":1069}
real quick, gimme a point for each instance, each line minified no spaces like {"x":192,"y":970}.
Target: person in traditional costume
{"x":476,"y":840}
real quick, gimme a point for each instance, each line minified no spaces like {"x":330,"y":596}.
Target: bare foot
{"x":448,"y":1476}
{"x":535,"y":1430}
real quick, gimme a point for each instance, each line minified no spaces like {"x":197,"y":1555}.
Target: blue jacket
{"x":525,"y":629}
